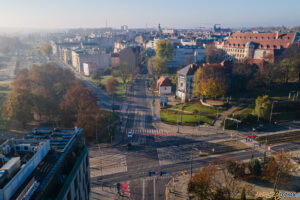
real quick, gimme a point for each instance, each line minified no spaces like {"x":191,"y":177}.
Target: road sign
{"x":154,"y":117}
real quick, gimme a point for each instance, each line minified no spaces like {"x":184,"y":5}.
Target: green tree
{"x":125,"y":73}
{"x":262,"y":107}
{"x":255,"y":167}
{"x":18,"y":106}
{"x":210,"y":81}
{"x":156,"y":66}
{"x":46,"y":50}
{"x":214,"y":55}
{"x":164,"y":49}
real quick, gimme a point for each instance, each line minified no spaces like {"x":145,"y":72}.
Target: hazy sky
{"x":139,"y":13}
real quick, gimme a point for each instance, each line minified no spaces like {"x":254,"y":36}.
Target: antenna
{"x":105,"y":23}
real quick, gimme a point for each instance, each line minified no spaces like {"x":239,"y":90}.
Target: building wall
{"x":185,"y":87}
{"x":185,"y":56}
{"x":164,"y":90}
{"x":78,"y":182}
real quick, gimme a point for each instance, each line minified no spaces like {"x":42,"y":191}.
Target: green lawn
{"x":5,"y":87}
{"x":170,"y":117}
{"x":197,"y":106}
{"x":121,"y":90}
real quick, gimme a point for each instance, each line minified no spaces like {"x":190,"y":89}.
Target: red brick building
{"x":257,"y":46}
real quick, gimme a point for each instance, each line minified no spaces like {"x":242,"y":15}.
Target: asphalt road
{"x":144,"y":158}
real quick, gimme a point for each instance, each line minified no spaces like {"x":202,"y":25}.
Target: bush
{"x":243,"y":195}
{"x":255,"y":167}
{"x":235,"y":168}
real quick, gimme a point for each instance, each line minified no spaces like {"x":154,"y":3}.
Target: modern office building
{"x":46,"y":164}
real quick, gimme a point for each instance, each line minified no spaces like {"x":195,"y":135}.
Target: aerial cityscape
{"x":150,"y":100}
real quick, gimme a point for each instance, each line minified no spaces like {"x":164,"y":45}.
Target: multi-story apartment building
{"x":80,"y":56}
{"x":257,"y":46}
{"x":47,"y":164}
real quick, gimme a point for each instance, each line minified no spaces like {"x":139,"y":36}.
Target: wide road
{"x":143,"y":157}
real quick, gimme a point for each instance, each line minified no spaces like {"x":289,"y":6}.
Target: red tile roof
{"x":163,"y":81}
{"x":274,"y":40}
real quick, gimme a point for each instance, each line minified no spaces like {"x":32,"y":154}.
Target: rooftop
{"x":28,"y":164}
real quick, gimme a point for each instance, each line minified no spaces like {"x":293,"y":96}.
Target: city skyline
{"x":41,"y":14}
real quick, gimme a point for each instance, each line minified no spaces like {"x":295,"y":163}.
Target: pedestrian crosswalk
{"x":150,"y":132}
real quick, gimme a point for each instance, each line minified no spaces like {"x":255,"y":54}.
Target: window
{"x":262,"y":38}
{"x":181,"y":84}
{"x":268,"y":46}
{"x":256,"y":38}
{"x":268,"y":38}
{"x":274,"y":46}
{"x":262,"y":46}
{"x":26,"y":148}
{"x":288,"y":38}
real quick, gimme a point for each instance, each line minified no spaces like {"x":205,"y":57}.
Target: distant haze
{"x":53,"y":14}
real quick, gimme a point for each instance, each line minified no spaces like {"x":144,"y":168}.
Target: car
{"x":130,"y":134}
{"x":152,"y":173}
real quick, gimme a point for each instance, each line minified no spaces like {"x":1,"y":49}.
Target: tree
{"x":278,"y":169}
{"x":164,"y":49}
{"x":214,"y":55}
{"x":262,"y":107}
{"x":243,"y":195}
{"x":111,"y":86}
{"x":80,"y":107}
{"x":125,"y":73}
{"x":242,"y":73}
{"x":210,"y":81}
{"x":255,"y":167}
{"x":201,"y":183}
{"x":46,"y":50}
{"x":289,"y":62}
{"x":156,"y":66}
{"x":18,"y":106}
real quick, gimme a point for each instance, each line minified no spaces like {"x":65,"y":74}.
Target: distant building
{"x":184,"y":89}
{"x":130,"y":56}
{"x":124,"y":28}
{"x":257,"y":46}
{"x":151,"y":44}
{"x":183,"y":56}
{"x":120,"y":45}
{"x":115,"y":60}
{"x":47,"y":164}
{"x":102,"y":60}
{"x":164,"y":86}
{"x":169,"y":31}
{"x":89,"y":68}
{"x":188,"y":42}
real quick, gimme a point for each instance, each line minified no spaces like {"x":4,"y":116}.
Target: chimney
{"x":277,"y":35}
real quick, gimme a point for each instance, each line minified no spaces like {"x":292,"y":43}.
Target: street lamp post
{"x":272,"y":110}
{"x":178,"y":121}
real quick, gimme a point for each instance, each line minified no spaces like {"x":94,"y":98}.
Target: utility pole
{"x":272,"y":110}
{"x":191,"y":164}
{"x":178,"y":121}
{"x":258,"y":112}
